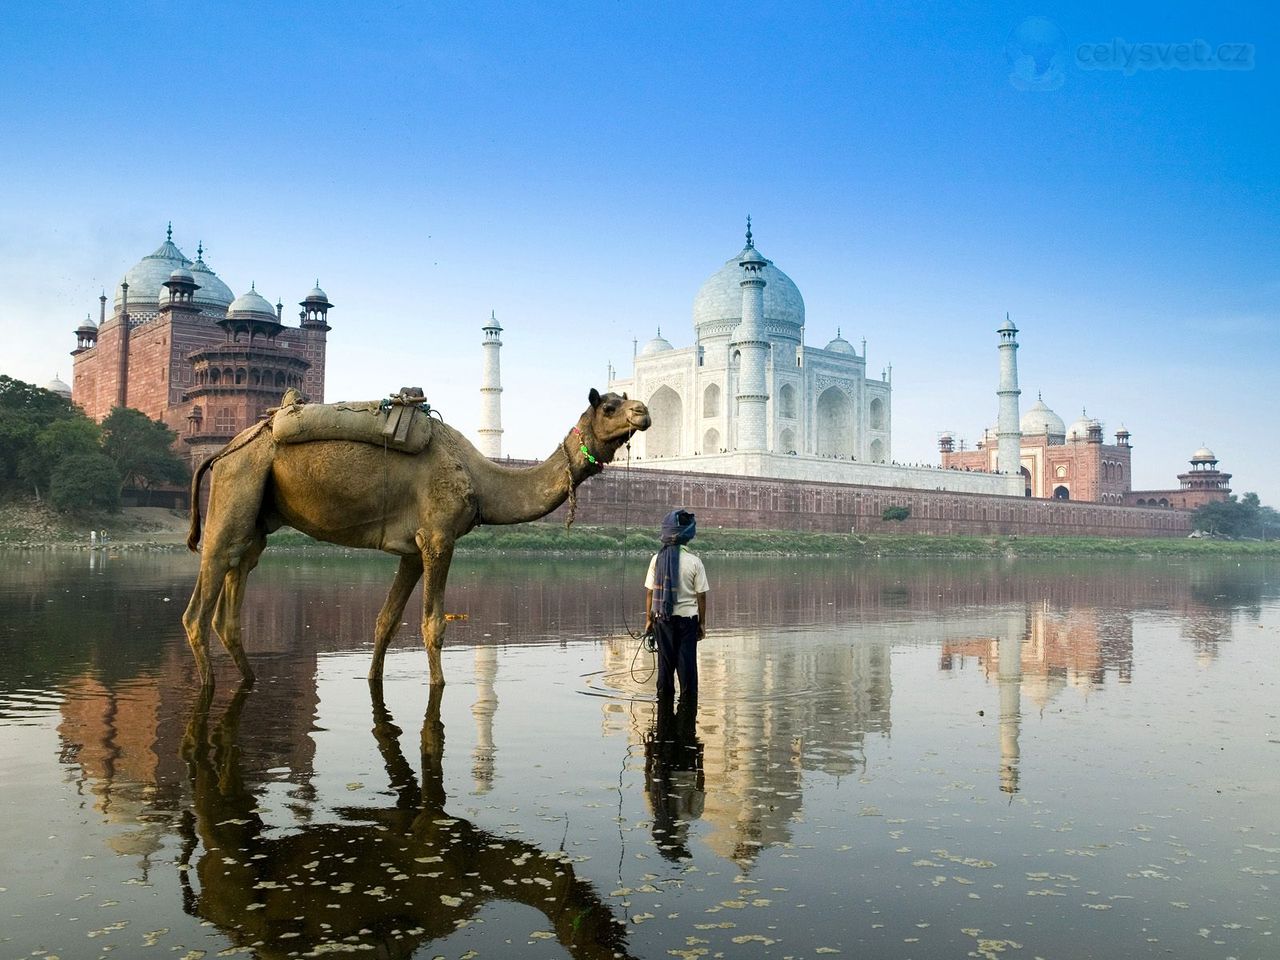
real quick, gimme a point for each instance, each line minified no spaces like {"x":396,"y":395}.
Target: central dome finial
{"x":750,"y":242}
{"x":168,"y":234}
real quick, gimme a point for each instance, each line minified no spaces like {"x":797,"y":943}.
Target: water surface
{"x":887,"y":759}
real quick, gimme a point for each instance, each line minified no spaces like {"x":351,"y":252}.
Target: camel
{"x":414,"y":506}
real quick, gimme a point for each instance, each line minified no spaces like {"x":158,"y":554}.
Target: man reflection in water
{"x":675,"y":603}
{"x":673,"y":776}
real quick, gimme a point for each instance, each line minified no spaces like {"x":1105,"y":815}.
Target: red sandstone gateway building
{"x":181,"y":348}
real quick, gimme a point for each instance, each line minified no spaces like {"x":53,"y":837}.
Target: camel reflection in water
{"x":392,"y":878}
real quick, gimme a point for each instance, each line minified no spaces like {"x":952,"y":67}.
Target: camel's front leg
{"x":437,"y":553}
{"x":407,"y":576}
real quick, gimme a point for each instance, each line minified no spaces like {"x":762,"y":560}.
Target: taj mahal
{"x":749,"y":398}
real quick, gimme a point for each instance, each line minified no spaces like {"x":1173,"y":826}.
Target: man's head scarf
{"x":678,"y":528}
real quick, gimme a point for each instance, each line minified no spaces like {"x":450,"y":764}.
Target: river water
{"x":888,"y":759}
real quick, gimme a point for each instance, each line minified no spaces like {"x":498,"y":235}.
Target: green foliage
{"x":1235,"y":519}
{"x":25,"y":411}
{"x":896,"y":513}
{"x":141,"y":449}
{"x":85,"y":483}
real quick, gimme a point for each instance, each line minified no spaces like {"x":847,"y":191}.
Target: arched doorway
{"x":877,"y":451}
{"x":711,"y":441}
{"x":787,"y":441}
{"x":1026,"y":482}
{"x":877,"y":414}
{"x":1061,"y":493}
{"x":711,"y":400}
{"x":787,"y":402}
{"x":835,"y":424}
{"x":667,"y":413}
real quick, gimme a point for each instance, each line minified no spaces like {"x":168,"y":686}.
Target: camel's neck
{"x":518,"y":494}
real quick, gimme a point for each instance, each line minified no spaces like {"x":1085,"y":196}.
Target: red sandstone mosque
{"x":181,"y":348}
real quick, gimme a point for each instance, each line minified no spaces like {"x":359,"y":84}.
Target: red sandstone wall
{"x":643,"y":497}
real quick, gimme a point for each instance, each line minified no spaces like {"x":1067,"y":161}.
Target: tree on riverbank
{"x":1246,"y":517}
{"x":50,"y":449}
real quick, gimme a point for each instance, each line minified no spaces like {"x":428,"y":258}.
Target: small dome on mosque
{"x":1007,"y":326}
{"x":318,"y":294}
{"x":841,"y":345}
{"x":1080,"y":429}
{"x":182,"y":273}
{"x":213,"y":293}
{"x":57,"y":386}
{"x":658,"y":344}
{"x":88,"y":326}
{"x":1040,"y":420}
{"x":718,"y":306}
{"x":1203,"y":455}
{"x":251,"y":305}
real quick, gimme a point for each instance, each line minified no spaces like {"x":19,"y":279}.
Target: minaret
{"x":749,"y":340}
{"x":1008,"y":433}
{"x":491,"y":391}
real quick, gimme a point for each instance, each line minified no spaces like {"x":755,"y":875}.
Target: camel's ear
{"x":594,"y":397}
{"x":624,"y":396}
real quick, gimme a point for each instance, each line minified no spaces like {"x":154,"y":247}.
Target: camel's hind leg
{"x":226,"y":616}
{"x":232,"y":535}
{"x":407,"y":576}
{"x":437,"y":553}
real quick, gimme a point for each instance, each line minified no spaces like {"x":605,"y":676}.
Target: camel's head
{"x":612,"y":419}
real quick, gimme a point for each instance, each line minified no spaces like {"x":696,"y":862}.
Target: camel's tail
{"x":193,"y":535}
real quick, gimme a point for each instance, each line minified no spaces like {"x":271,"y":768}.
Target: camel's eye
{"x":610,"y":408}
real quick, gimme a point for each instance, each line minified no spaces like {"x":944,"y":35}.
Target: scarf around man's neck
{"x":667,"y":567}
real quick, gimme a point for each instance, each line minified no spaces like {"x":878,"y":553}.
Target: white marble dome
{"x":213,"y":293}
{"x":146,"y":281}
{"x":251,"y":305}
{"x":1203,"y":455}
{"x":1080,"y":429}
{"x":658,"y":344}
{"x":57,"y":386}
{"x":146,"y":277}
{"x":841,"y":345}
{"x":1040,"y":420}
{"x":719,"y":301}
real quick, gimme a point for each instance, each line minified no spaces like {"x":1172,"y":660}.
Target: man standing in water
{"x":675,"y":604}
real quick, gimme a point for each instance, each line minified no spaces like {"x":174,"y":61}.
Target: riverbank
{"x":31,"y":527}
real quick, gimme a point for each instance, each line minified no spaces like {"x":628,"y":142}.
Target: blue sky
{"x":582,"y":170}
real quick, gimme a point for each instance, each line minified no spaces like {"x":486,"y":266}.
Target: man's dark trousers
{"x":678,"y":655}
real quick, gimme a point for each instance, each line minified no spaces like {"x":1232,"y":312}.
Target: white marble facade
{"x":819,"y":403}
{"x":824,"y":417}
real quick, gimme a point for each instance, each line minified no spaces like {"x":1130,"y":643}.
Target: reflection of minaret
{"x":750,"y":342}
{"x":1009,"y":659}
{"x":483,"y":709}
{"x":1008,"y":433}
{"x":491,"y":391}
